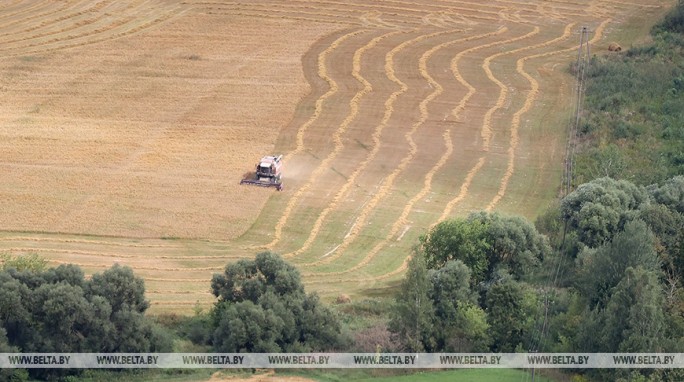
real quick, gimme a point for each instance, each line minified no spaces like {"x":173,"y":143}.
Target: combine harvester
{"x":268,"y":172}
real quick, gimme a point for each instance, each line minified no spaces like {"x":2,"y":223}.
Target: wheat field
{"x":126,"y":127}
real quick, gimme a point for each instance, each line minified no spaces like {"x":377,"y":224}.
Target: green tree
{"x":247,"y":327}
{"x":670,"y":194}
{"x":550,"y":224}
{"x":65,"y":318}
{"x":601,"y":269}
{"x":513,"y":242}
{"x":634,"y":315}
{"x":468,"y":257}
{"x":412,"y":315}
{"x":668,"y":228}
{"x":10,"y":375}
{"x":457,"y":239}
{"x":486,"y":242}
{"x":510,"y":314}
{"x":120,"y":287}
{"x":449,"y":286}
{"x":469,"y":331}
{"x":460,"y":324}
{"x":58,"y":310}
{"x":263,"y":307}
{"x":599,"y":209}
{"x":16,"y":306}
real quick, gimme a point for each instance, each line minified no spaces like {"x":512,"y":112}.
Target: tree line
{"x":56,"y":310}
{"x":600,"y":272}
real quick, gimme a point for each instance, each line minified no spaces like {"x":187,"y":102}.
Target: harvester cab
{"x":268,"y":172}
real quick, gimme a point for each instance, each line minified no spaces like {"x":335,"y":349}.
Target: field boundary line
{"x":117,"y":255}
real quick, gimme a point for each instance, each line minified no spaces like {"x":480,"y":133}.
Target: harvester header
{"x":268,"y":173}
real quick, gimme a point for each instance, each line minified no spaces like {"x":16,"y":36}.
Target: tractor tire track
{"x":121,"y":26}
{"x":486,"y":123}
{"x":389,"y":180}
{"x":427,"y":183}
{"x":456,"y":112}
{"x":513,"y":141}
{"x":376,"y":139}
{"x":486,"y":131}
{"x":333,"y":88}
{"x":529,"y":100}
{"x":389,"y":109}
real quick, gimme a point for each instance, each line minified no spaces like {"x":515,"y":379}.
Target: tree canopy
{"x":486,"y":243}
{"x":262,"y":307}
{"x":58,"y":310}
{"x":600,"y":208}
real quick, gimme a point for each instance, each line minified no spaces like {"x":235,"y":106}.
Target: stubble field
{"x":125,"y":128}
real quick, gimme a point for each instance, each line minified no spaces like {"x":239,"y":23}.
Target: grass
{"x":140,"y":375}
{"x":323,"y":375}
{"x":479,"y":375}
{"x":633,"y":105}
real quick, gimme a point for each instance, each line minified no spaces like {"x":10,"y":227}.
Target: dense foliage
{"x":464,"y":289}
{"x":262,"y":307}
{"x":487,"y":244}
{"x":614,"y":283}
{"x":57,"y":310}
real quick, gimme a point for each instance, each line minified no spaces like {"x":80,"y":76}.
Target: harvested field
{"x":125,"y":128}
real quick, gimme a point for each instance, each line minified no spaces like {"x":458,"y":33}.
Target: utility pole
{"x":581,"y":66}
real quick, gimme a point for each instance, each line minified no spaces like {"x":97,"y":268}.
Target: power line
{"x":581,"y":67}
